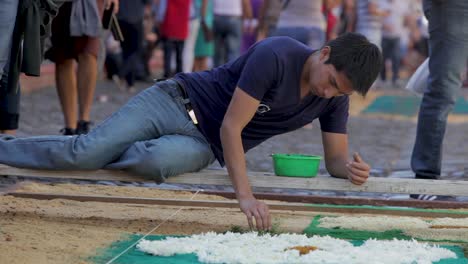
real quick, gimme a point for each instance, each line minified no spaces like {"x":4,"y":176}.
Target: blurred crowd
{"x":207,"y":33}
{"x":159,"y":38}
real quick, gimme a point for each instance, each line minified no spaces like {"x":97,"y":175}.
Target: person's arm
{"x":240,"y":111}
{"x":247,"y":13}
{"x":247,"y":16}
{"x":350,"y":9}
{"x":207,"y":33}
{"x":262,"y":25}
{"x":335,"y":146}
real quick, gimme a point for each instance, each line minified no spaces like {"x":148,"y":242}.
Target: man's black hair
{"x":360,"y":60}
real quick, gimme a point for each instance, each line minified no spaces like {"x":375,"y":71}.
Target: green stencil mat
{"x":407,"y":105}
{"x":358,"y":237}
{"x":133,"y":256}
{"x":352,"y":234}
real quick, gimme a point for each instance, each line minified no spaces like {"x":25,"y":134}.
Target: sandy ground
{"x":63,"y":231}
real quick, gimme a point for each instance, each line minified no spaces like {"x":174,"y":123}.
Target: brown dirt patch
{"x":62,"y":231}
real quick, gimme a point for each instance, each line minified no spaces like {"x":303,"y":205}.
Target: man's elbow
{"x":336,"y":174}
{"x":228,"y":129}
{"x":333,"y":168}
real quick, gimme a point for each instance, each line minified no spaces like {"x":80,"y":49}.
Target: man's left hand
{"x":358,"y":170}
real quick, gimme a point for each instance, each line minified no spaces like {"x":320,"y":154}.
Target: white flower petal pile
{"x":266,"y":249}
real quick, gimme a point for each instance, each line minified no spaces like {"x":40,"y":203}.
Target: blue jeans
{"x":9,"y":98}
{"x":313,"y":37}
{"x":227,"y":36}
{"x":391,"y":50}
{"x":152,"y":136}
{"x":9,"y":102}
{"x":448,"y":52}
{"x":8,"y":9}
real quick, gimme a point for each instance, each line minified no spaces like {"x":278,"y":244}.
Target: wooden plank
{"x":234,"y":204}
{"x":93,"y":175}
{"x":218,"y":177}
{"x":346,"y":200}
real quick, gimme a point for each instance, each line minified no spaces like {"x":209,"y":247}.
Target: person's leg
{"x":233,"y":38}
{"x":189,"y":45}
{"x":385,"y":55}
{"x":219,"y":34}
{"x":167,"y":47}
{"x":65,"y":80}
{"x":126,"y":46}
{"x":153,"y":113}
{"x":179,"y":48}
{"x":8,"y":10}
{"x":9,"y":105}
{"x":134,"y":55}
{"x":86,"y":83}
{"x":9,"y":96}
{"x":200,"y":64}
{"x":396,"y":59}
{"x":448,"y":44}
{"x":166,"y":156}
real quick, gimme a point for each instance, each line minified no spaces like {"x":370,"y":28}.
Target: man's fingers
{"x":359,"y":172}
{"x":359,"y":165}
{"x":249,"y":220}
{"x":258,"y":219}
{"x":358,"y":181}
{"x":267,"y":211}
{"x":357,"y":157}
{"x":356,"y":176}
{"x":266,"y":218}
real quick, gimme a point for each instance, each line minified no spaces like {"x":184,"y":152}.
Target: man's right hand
{"x":258,"y":210}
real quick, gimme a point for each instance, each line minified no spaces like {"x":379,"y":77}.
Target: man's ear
{"x":325,"y":53}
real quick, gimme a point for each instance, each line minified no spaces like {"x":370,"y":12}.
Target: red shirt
{"x":176,"y":20}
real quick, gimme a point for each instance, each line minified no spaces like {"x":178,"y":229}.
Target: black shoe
{"x":82,"y":127}
{"x":66,"y":131}
{"x":431,"y":197}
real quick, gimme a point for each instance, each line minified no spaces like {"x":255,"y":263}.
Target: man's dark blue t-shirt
{"x":270,"y":71}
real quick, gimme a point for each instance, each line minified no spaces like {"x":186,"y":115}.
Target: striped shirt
{"x":365,"y":20}
{"x":302,"y":13}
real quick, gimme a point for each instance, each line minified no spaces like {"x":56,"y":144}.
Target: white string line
{"x":152,"y":230}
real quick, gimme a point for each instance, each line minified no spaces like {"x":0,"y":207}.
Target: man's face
{"x":325,"y":81}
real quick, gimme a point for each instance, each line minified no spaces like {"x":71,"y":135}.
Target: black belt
{"x":188,"y":105}
{"x":182,"y":90}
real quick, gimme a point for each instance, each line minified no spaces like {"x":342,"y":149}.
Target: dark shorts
{"x":65,"y":46}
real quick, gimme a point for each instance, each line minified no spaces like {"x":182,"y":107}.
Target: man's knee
{"x":151,"y":169}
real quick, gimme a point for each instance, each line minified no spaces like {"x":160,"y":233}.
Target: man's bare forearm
{"x":337,"y":168}
{"x":235,"y":161}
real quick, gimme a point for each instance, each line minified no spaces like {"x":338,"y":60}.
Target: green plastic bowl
{"x":296,"y":165}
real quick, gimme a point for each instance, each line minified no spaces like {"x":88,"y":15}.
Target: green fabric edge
{"x":357,"y":237}
{"x":351,"y":234}
{"x":407,"y":105}
{"x":133,"y":256}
